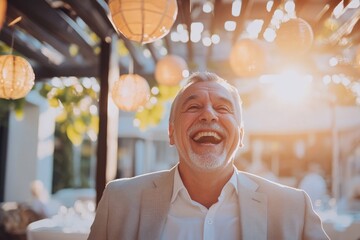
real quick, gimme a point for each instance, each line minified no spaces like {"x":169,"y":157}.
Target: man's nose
{"x":209,"y":114}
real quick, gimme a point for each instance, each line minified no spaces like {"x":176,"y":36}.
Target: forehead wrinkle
{"x":189,"y":98}
{"x":217,"y":95}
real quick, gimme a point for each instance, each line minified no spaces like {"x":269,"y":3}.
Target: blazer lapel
{"x":155,"y":203}
{"x":253,"y":210}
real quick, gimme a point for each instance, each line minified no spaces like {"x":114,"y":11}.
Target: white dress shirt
{"x":188,"y":219}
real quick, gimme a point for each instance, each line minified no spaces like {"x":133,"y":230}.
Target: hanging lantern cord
{"x":131,"y":66}
{"x":11,"y":24}
{"x":142,"y":21}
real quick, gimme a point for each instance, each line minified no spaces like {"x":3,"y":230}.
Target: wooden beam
{"x":268,"y":17}
{"x":4,"y":132}
{"x":23,"y":46}
{"x":184,"y":17}
{"x":244,"y":13}
{"x":218,"y":5}
{"x":103,"y":115}
{"x":328,"y":10}
{"x":42,"y":72}
{"x":57,"y":23}
{"x":136,"y":55}
{"x":154,"y":53}
{"x":168,"y":43}
{"x":37,"y":31}
{"x":355,"y":34}
{"x":93,"y":14}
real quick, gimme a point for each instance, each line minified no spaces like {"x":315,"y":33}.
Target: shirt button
{"x":210,"y":221}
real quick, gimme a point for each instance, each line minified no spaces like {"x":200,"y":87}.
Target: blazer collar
{"x":155,"y":203}
{"x":253,"y":209}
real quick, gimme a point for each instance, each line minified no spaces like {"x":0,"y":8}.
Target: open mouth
{"x":208,"y":137}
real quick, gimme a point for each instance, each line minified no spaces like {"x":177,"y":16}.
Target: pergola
{"x":49,"y":28}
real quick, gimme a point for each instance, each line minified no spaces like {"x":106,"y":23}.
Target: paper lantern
{"x":16,"y":77}
{"x":3,"y":5}
{"x":130,"y":92}
{"x":169,"y":70}
{"x":294,"y":37}
{"x":247,"y":58}
{"x":143,"y":21}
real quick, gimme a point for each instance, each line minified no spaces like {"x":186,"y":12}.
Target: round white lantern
{"x":247,"y":58}
{"x":294,"y":37}
{"x":130,"y":92}
{"x":170,"y":70}
{"x":16,"y":77}
{"x":143,"y":21}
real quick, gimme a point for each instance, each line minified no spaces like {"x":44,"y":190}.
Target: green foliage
{"x":77,"y":122}
{"x":87,"y":153}
{"x":4,"y":48}
{"x":150,"y":116}
{"x":75,"y":99}
{"x":121,"y":48}
{"x":154,"y":111}
{"x":63,"y":176}
{"x":7,"y":105}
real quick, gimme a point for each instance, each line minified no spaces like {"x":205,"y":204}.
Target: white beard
{"x":207,"y":161}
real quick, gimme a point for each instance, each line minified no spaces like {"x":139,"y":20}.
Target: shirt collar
{"x":233,"y":180}
{"x":179,"y":185}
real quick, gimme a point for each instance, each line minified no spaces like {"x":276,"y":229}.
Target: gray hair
{"x":207,"y":77}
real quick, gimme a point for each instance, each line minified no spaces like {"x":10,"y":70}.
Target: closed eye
{"x":224,"y":109}
{"x":193,"y":108}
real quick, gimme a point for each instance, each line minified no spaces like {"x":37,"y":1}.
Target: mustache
{"x":209,"y":126}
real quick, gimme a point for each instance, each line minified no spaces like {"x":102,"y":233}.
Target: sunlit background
{"x":85,"y":98}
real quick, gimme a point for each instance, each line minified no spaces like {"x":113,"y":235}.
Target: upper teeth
{"x":207,"y":134}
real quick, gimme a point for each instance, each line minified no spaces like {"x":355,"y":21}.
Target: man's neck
{"x":205,"y":187}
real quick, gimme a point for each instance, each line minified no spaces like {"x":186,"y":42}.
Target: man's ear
{"x":171,"y":133}
{"x":241,"y":143}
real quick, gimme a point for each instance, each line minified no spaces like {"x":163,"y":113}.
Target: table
{"x":63,"y":226}
{"x":341,"y":226}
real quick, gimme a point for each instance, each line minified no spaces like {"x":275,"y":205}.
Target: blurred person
{"x":39,"y":197}
{"x":204,"y":196}
{"x":41,"y":202}
{"x":314,"y":184}
{"x":350,"y":203}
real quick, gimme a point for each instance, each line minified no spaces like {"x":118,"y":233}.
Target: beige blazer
{"x":137,"y":208}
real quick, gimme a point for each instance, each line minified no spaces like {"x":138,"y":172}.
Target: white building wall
{"x":30,"y":150}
